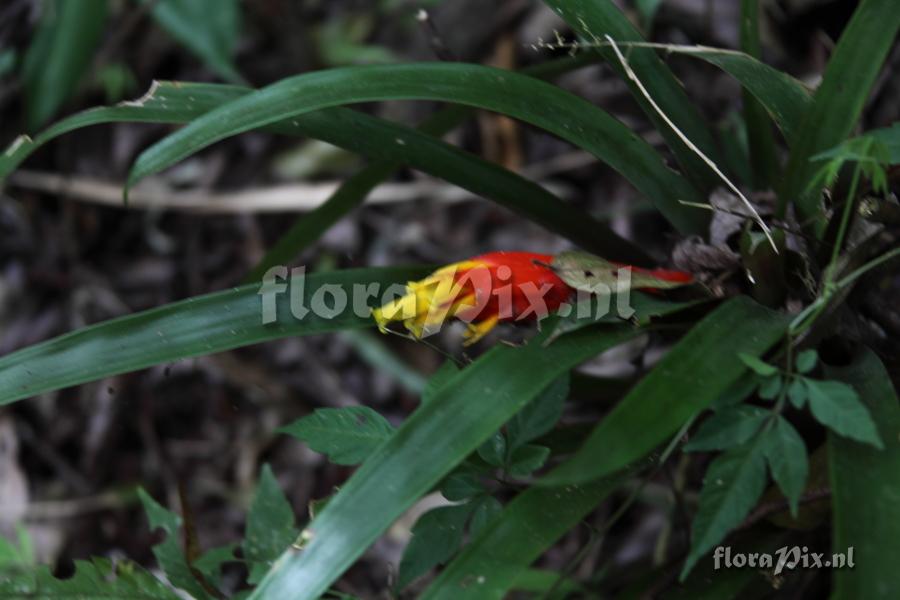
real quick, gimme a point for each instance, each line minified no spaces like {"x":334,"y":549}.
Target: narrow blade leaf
{"x":840,"y":98}
{"x":499,"y":555}
{"x":59,"y":55}
{"x":865,"y":486}
{"x":573,"y":119}
{"x":177,"y":102}
{"x":698,"y":370}
{"x":439,"y":435}
{"x":192,"y":327}
{"x":594,"y":19}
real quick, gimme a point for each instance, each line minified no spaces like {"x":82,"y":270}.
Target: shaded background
{"x":70,"y":460}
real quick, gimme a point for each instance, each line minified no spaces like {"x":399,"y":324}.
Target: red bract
{"x":482,"y":291}
{"x":500,"y":286}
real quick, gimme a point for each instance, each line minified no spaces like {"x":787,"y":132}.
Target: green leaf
{"x":270,"y":526}
{"x":786,"y":454}
{"x":837,"y":406}
{"x":168,"y":553}
{"x":60,"y":54}
{"x":210,"y":563}
{"x":526,"y":459}
{"x":806,"y":361}
{"x":116,"y":80}
{"x":737,"y":392}
{"x":99,"y":579}
{"x":192,"y":327}
{"x":436,"y":536}
{"x":735,"y":153}
{"x":376,"y":138}
{"x":688,"y":379}
{"x":543,"y":580}
{"x":347,"y":435}
{"x":462,"y":484}
{"x":887,"y":138}
{"x":731,"y":426}
{"x":757,"y":366}
{"x":539,"y":416}
{"x":158,"y":516}
{"x":865,"y":486}
{"x":486,"y":508}
{"x":438,"y":380}
{"x":784,"y":98}
{"x":573,"y":119}
{"x":599,"y":308}
{"x":706,"y":582}
{"x":770,"y":387}
{"x":15,"y":556}
{"x":503,"y":549}
{"x":208,"y":28}
{"x":439,"y":435}
{"x":733,"y":484}
{"x":354,"y":190}
{"x":797,"y":392}
{"x":493,"y":450}
{"x":877,"y":145}
{"x":340,"y":41}
{"x":648,"y":9}
{"x":839,"y":100}
{"x":370,"y":347}
{"x":868,"y":153}
{"x":380,"y":139}
{"x":761,"y":140}
{"x":594,"y":19}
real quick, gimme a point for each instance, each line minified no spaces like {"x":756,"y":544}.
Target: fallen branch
{"x":299,"y":197}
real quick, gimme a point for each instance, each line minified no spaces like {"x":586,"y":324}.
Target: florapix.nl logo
{"x":293,"y":291}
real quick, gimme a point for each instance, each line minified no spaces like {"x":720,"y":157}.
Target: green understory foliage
{"x":758,"y":392}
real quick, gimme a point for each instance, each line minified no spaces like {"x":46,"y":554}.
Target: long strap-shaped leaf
{"x":594,"y":19}
{"x":865,"y":489}
{"x":489,"y":566}
{"x":192,"y":327}
{"x":440,"y":434}
{"x":376,"y":138}
{"x":760,"y":138}
{"x":783,"y":97}
{"x":688,"y":379}
{"x":525,"y":98}
{"x":383,"y":139}
{"x":840,"y":98}
{"x":786,"y":99}
{"x":353,"y":191}
{"x":179,"y":102}
{"x":59,"y":55}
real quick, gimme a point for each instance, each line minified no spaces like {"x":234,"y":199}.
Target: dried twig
{"x":300,"y":197}
{"x":687,"y":141}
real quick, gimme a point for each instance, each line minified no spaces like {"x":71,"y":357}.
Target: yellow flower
{"x":486,"y":289}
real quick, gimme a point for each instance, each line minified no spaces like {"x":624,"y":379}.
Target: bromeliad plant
{"x":491,"y":427}
{"x":512,"y":286}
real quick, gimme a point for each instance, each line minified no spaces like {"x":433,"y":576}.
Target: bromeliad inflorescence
{"x":509,"y":286}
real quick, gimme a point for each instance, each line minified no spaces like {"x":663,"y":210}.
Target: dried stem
{"x":687,"y":141}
